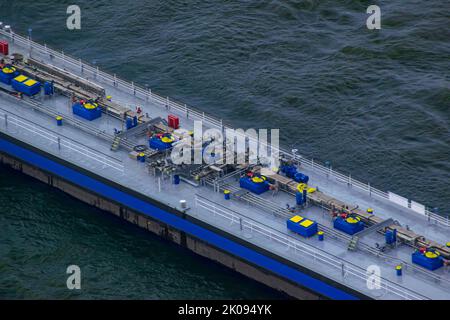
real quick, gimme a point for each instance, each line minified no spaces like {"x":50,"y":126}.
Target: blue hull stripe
{"x":148,"y":209}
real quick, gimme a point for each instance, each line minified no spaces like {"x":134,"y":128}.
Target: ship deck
{"x":27,"y":122}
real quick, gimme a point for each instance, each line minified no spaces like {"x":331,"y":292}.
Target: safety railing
{"x":194,"y":114}
{"x":304,"y":250}
{"x":9,"y":120}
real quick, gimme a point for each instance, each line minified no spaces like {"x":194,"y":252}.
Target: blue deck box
{"x":304,"y":227}
{"x":89,"y":111}
{"x":26,"y":85}
{"x":158,"y":144}
{"x":7,"y":74}
{"x":350,"y":225}
{"x":255,"y":184}
{"x":429,"y":260}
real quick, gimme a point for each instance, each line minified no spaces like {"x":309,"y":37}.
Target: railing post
{"x":59,"y":143}
{"x":343,"y":269}
{"x":6,"y":122}
{"x":240,"y":223}
{"x":370,"y":190}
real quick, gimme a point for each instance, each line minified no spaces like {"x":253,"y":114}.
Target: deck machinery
{"x":150,"y":138}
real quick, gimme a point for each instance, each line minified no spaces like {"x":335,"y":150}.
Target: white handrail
{"x":303,"y":248}
{"x":62,"y":141}
{"x":194,"y":114}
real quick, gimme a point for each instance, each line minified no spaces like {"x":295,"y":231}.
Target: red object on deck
{"x":174,"y":121}
{"x":4,"y":48}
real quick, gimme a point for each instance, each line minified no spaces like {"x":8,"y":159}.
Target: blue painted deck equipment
{"x":304,"y":227}
{"x":256,"y":184}
{"x":87,"y":110}
{"x":8,"y":73}
{"x":429,"y":259}
{"x":349,"y":225}
{"x":26,"y":85}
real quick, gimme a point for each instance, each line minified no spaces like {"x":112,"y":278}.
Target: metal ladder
{"x":116,"y":143}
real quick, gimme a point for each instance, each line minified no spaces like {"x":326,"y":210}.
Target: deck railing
{"x":304,"y":250}
{"x":60,"y":142}
{"x":194,"y":114}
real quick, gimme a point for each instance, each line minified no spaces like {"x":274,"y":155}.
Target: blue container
{"x":255,"y":187}
{"x":26,"y":85}
{"x":398,"y":270}
{"x":289,"y":171}
{"x":304,"y":227}
{"x":301,"y":178}
{"x":135,"y":121}
{"x":227,"y":194}
{"x":8,"y":73}
{"x":176,"y":179}
{"x":48,"y":88}
{"x":350,"y":225}
{"x":390,"y":236}
{"x":88,"y":111}
{"x":300,"y":200}
{"x":156,"y":143}
{"x":129,"y":123}
{"x":59,"y":120}
{"x":429,"y":260}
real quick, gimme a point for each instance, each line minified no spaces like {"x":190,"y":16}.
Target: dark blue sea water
{"x":374,"y":103}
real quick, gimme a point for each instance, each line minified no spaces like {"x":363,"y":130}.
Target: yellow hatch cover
{"x":20,"y":78}
{"x":296,"y":219}
{"x":30,"y":83}
{"x":306,"y":223}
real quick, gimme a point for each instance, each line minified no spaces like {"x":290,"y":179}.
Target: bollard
{"x":320,"y":235}
{"x":398,"y":269}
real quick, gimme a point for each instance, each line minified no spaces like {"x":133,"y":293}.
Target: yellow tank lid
{"x":166,"y":139}
{"x":399,"y":267}
{"x":431,"y":254}
{"x":8,"y":70}
{"x":58,"y":118}
{"x":226,"y":191}
{"x":320,"y":233}
{"x":370,"y":210}
{"x":90,"y":106}
{"x":258,"y":179}
{"x":353,"y":220}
